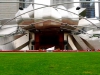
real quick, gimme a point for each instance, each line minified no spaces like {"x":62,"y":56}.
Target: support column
{"x":65,"y":41}
{"x":70,"y":41}
{"x":61,"y":40}
{"x":32,"y":41}
{"x":81,"y":42}
{"x":36,"y":46}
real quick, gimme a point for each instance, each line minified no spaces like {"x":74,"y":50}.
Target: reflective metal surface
{"x":50,"y":16}
{"x":44,"y":17}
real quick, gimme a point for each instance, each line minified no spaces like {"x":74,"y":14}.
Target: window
{"x":22,"y":4}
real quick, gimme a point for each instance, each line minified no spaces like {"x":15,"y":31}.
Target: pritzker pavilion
{"x":42,"y":25}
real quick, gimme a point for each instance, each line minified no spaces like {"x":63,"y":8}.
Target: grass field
{"x":74,"y":63}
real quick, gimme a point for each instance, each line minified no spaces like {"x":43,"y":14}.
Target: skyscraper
{"x":63,"y":1}
{"x":8,"y":10}
{"x":97,"y":9}
{"x":90,"y":8}
{"x":24,"y":5}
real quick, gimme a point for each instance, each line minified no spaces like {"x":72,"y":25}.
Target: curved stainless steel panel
{"x":68,"y":17}
{"x":8,"y":22}
{"x":49,"y":16}
{"x":8,"y":29}
{"x":6,"y":43}
{"x":6,"y":39}
{"x":23,"y":17}
{"x":8,"y":47}
{"x":18,"y":17}
{"x":30,"y":8}
{"x":48,"y":24}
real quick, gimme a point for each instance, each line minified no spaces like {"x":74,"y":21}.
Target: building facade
{"x":65,"y":1}
{"x":8,"y":10}
{"x":97,"y":9}
{"x":90,"y":8}
{"x":24,"y":5}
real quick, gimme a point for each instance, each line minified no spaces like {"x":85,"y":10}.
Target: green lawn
{"x":74,"y":63}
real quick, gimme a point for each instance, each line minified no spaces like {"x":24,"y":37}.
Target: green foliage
{"x":75,"y":63}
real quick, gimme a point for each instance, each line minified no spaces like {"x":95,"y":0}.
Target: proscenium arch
{"x":51,"y":20}
{"x":16,"y":33}
{"x":38,"y":22}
